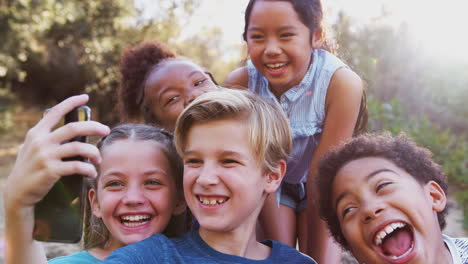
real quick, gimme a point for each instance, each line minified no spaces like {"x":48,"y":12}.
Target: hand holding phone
{"x":37,"y":168}
{"x":58,"y":216}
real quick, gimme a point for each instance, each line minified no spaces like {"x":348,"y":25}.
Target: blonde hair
{"x":269,"y":133}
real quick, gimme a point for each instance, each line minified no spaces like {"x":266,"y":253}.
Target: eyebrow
{"x":287,"y":27}
{"x":223,"y":153}
{"x":156,"y":171}
{"x":119,"y":174}
{"x":372,"y":174}
{"x":195,"y":72}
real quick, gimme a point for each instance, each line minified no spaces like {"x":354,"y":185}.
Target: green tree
{"x":53,"y":49}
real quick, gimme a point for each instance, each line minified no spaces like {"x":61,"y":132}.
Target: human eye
{"x":347,"y":210}
{"x":171,"y":99}
{"x":382,"y":185}
{"x":256,"y":36}
{"x":193,"y":162}
{"x":153,"y":182}
{"x":229,"y":161}
{"x":199,"y":82}
{"x":287,"y":35}
{"x":113,"y":184}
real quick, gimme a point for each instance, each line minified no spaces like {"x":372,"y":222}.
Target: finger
{"x":76,"y":148}
{"x":57,"y":112}
{"x":77,"y":167}
{"x":83,"y":128}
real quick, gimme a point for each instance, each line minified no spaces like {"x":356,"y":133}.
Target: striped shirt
{"x":304,"y":104}
{"x":458,"y":248}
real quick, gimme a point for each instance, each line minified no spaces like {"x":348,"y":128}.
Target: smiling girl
{"x":156,"y":84}
{"x":291,"y":66}
{"x":137,"y":191}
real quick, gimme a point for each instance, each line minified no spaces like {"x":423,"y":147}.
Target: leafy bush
{"x":449,"y":150}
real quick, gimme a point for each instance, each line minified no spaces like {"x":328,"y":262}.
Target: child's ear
{"x":93,"y":201}
{"x":439,"y":200}
{"x":180,"y":206}
{"x":274,"y":178}
{"x":317,"y":39}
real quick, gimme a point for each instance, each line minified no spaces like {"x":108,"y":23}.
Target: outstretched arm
{"x":342,"y":109}
{"x":38,"y":166}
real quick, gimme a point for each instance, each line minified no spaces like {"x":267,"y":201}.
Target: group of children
{"x":252,"y":166}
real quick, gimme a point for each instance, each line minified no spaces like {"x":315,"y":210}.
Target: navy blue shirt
{"x":190,"y":248}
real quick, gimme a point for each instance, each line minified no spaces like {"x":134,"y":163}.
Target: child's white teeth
{"x":211,"y":202}
{"x":131,"y":224}
{"x":385,"y":231}
{"x":135,"y":217}
{"x":275,"y":65}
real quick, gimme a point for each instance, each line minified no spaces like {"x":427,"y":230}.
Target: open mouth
{"x":395,"y":241}
{"x":211,"y":200}
{"x":135,"y":220}
{"x":275,"y":66}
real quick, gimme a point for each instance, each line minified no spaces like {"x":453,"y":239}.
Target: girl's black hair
{"x":310,"y":13}
{"x":136,"y":64}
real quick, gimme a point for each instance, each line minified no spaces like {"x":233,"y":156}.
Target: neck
{"x":240,"y":242}
{"x":99,"y":253}
{"x":444,"y":254}
{"x":102,"y":252}
{"x":278,"y":91}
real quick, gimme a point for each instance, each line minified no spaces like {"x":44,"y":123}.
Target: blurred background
{"x":413,"y":56}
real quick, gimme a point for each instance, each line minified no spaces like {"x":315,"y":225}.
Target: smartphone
{"x":59,"y":216}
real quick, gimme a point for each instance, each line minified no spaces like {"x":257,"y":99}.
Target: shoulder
{"x":82,"y":257}
{"x":238,"y":77}
{"x":462,"y":246}
{"x":457,"y":246}
{"x":345,"y":84}
{"x":282,"y":253}
{"x":151,"y":249}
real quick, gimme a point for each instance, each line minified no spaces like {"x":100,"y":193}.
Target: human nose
{"x":371,"y":210}
{"x":133,"y":196}
{"x":272,"y":47}
{"x":208,"y":176}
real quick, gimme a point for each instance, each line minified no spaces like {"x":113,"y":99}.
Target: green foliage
{"x":53,"y":49}
{"x":393,"y":66}
{"x":7,"y":110}
{"x":449,"y":150}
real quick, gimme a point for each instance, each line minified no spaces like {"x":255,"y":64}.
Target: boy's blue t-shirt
{"x":82,"y":257}
{"x":190,"y":248}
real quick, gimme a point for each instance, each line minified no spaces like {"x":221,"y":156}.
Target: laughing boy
{"x":234,"y":146}
{"x":384,"y":199}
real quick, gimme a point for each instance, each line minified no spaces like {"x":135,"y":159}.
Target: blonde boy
{"x":235,"y":147}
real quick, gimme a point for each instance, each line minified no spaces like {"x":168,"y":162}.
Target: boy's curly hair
{"x":402,"y":151}
{"x":136,"y":61}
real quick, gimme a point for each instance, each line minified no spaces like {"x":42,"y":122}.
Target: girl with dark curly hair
{"x":156,"y":85}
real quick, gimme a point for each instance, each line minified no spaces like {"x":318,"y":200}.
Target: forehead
{"x":133,"y":152}
{"x":228,"y":133}
{"x":282,"y":11}
{"x":357,"y":173}
{"x":173,"y":69}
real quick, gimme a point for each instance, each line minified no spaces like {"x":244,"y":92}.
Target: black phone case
{"x":59,"y":216}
